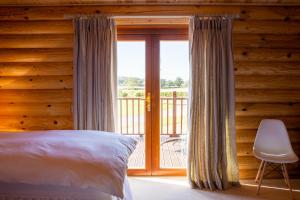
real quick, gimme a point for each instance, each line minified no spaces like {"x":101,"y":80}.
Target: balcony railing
{"x":173,"y":115}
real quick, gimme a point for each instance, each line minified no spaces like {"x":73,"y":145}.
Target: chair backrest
{"x":272,"y":138}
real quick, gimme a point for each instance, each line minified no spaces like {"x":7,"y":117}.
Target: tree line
{"x":139,"y":82}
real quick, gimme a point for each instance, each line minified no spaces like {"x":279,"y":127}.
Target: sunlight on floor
{"x":171,"y":181}
{"x":269,"y":187}
{"x":177,"y":188}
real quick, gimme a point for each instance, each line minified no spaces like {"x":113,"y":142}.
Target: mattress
{"x":67,"y":163}
{"x":18,"y":191}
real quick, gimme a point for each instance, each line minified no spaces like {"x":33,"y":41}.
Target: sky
{"x":174,"y":59}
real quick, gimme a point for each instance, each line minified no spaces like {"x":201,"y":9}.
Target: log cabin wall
{"x":36,"y":68}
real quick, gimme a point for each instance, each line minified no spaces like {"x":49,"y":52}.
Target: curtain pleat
{"x":212,"y":159}
{"x":95,"y":77}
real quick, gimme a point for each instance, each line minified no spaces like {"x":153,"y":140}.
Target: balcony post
{"x":174,"y":114}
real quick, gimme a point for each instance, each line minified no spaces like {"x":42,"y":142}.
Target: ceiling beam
{"x":145,"y":2}
{"x":16,"y":13}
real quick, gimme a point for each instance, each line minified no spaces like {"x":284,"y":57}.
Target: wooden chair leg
{"x":259,"y":171}
{"x":288,"y":180}
{"x":283,"y":173}
{"x":261,"y":177}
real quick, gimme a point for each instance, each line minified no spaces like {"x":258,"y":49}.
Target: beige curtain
{"x":94,"y":73}
{"x":212,"y":159}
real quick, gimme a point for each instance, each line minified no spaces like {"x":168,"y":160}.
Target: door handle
{"x":148,"y":102}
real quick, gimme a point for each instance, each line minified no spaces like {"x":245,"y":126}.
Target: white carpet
{"x":177,"y":188}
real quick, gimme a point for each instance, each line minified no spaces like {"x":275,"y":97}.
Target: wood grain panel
{"x":239,"y":26}
{"x":245,"y":149}
{"x":56,"y":13}
{"x":266,"y":27}
{"x":36,"y":82}
{"x":149,"y":2}
{"x":267,"y":96}
{"x":248,"y":135}
{"x":35,"y":123}
{"x":267,"y":82}
{"x":266,"y":41}
{"x":267,"y":109}
{"x":36,"y":69}
{"x":266,"y":54}
{"x":36,"y":27}
{"x":253,"y":122}
{"x":35,"y":109}
{"x":267,"y":68}
{"x":37,"y":41}
{"x":36,"y":55}
{"x":65,"y":26}
{"x":269,"y":13}
{"x":248,"y":162}
{"x":35,"y":96}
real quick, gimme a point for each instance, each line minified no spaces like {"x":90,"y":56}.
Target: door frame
{"x":152,"y":36}
{"x":148,"y":83}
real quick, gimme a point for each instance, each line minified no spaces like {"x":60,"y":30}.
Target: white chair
{"x":272,"y":145}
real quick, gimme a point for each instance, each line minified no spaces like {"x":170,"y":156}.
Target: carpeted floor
{"x":177,"y":188}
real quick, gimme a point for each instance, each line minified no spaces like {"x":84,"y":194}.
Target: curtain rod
{"x":123,"y":16}
{"x":233,"y":16}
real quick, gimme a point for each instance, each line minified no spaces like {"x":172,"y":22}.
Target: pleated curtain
{"x":95,"y":77}
{"x":212,"y":156}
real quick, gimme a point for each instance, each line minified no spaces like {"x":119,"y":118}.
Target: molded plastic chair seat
{"x":277,"y":158}
{"x":272,"y":145}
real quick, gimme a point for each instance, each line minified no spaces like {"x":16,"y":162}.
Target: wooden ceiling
{"x":146,"y":2}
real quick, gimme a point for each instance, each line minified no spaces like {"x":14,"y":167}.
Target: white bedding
{"x":82,"y":159}
{"x":20,"y":191}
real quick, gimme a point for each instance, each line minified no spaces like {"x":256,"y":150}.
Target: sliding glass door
{"x":152,"y":99}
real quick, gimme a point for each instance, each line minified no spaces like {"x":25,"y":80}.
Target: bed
{"x":70,"y":164}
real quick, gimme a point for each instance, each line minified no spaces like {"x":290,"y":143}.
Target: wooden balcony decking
{"x":173,"y":129}
{"x":173,"y":153}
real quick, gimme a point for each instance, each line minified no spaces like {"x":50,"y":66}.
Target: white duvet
{"x":85,"y":159}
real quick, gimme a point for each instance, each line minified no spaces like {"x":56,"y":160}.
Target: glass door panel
{"x":153,"y":71}
{"x":174,"y":74}
{"x":131,"y":96}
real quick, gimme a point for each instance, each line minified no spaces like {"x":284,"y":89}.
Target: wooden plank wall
{"x":147,"y":2}
{"x":36,"y":68}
